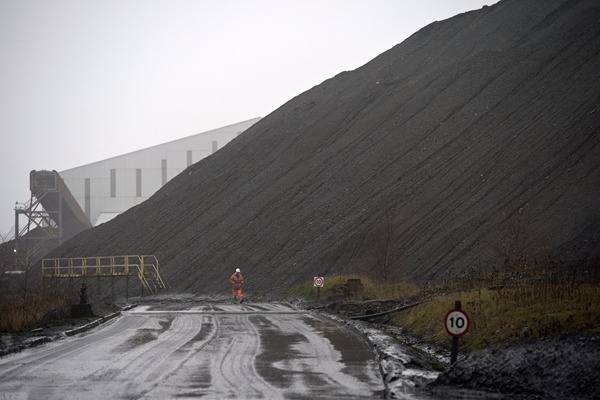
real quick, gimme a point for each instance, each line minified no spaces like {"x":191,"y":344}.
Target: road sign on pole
{"x":318,"y":282}
{"x":457,"y":323}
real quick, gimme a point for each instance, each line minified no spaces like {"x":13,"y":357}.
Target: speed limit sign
{"x":457,"y":322}
{"x":318,"y":281}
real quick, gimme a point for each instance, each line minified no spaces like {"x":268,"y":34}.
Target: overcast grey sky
{"x":85,"y":80}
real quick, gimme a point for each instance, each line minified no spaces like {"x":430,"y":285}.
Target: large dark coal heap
{"x":473,"y":141}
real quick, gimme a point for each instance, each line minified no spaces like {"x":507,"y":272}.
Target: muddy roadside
{"x":564,"y":366}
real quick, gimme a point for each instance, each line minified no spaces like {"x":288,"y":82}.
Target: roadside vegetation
{"x":519,"y":302}
{"x":23,"y":306}
{"x":502,"y":314}
{"x":20,"y":311}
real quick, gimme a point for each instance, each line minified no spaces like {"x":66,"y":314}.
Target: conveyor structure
{"x":52,"y":216}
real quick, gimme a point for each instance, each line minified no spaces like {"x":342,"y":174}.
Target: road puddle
{"x":144,"y":335}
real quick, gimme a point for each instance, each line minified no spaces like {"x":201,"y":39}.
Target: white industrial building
{"x":109,"y":187}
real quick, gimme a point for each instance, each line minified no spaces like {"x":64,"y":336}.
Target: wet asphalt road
{"x":211,"y":351}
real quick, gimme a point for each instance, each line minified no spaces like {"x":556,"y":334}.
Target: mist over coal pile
{"x":474,"y":124}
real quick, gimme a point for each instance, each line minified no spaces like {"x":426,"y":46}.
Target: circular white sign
{"x":457,"y":322}
{"x":318,"y":281}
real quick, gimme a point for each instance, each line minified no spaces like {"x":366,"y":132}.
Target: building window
{"x":163,"y":171}
{"x":138,"y":182}
{"x":113,"y":183}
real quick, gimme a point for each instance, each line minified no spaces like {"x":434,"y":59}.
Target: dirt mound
{"x":561,"y":367}
{"x":475,"y":140}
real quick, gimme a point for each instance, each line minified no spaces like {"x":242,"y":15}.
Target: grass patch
{"x":21,"y":312}
{"x":533,"y":310}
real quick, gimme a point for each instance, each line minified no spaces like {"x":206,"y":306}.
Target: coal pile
{"x":475,"y":140}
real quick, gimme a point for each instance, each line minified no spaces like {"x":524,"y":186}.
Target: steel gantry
{"x":144,"y":267}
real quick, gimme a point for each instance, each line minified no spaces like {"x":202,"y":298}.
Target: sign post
{"x":318,"y":282}
{"x":457,"y":323}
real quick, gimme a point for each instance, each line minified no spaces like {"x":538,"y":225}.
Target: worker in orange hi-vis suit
{"x":237,"y":280}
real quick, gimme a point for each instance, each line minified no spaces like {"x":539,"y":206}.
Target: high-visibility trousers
{"x":237,"y":292}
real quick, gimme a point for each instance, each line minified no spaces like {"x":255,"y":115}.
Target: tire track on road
{"x":238,"y":369}
{"x":143,"y":369}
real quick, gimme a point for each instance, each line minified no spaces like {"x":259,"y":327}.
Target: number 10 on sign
{"x":457,"y":322}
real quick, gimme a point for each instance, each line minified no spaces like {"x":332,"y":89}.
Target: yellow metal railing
{"x":145,"y":267}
